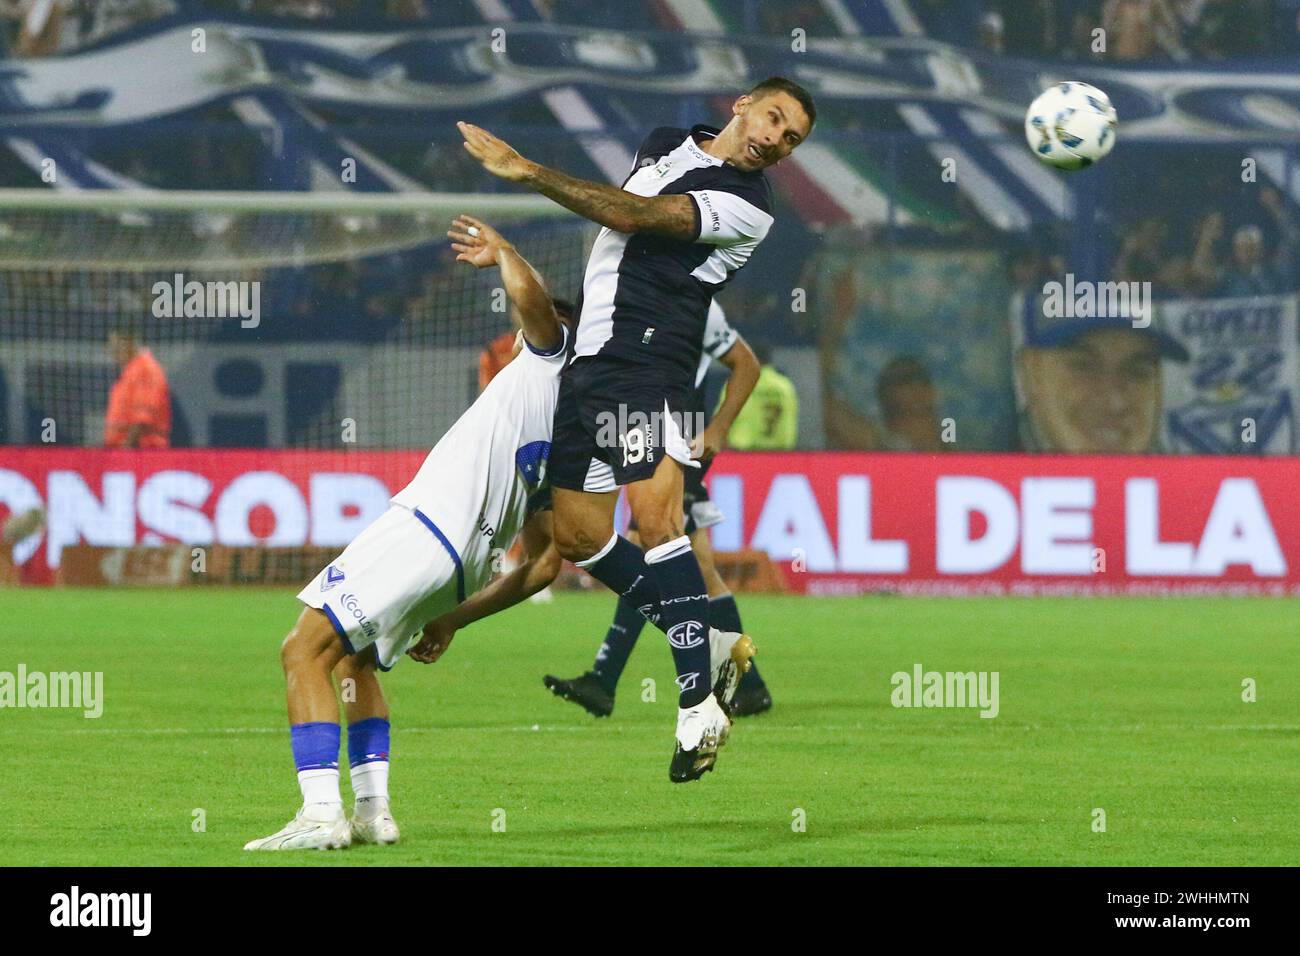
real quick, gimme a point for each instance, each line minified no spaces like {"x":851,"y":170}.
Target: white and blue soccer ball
{"x":1071,"y":125}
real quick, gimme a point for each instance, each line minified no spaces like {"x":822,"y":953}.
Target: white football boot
{"x":730,"y":656}
{"x":701,"y":730}
{"x":374,"y":823}
{"x":319,"y":826}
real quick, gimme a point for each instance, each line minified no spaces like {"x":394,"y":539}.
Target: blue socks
{"x":368,"y":741}
{"x":315,"y":745}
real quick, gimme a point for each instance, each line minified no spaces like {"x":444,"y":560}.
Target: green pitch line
{"x":1132,"y":707}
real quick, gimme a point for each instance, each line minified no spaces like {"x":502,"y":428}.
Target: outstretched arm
{"x":540,"y":566}
{"x":672,"y":216}
{"x":480,"y":245}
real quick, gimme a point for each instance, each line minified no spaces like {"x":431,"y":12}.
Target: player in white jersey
{"x":726,"y":641}
{"x":433,"y":547}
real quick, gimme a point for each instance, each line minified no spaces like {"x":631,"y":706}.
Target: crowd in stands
{"x":1134,"y":30}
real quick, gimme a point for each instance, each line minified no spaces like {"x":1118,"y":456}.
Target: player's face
{"x":768,"y":130}
{"x":1099,"y":395}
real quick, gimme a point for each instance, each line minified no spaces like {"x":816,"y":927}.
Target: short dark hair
{"x":779,"y":84}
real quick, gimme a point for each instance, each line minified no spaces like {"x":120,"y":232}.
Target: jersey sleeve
{"x":719,"y":336}
{"x":730,"y":212}
{"x":553,"y":356}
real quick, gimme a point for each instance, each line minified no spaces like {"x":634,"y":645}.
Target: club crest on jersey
{"x":686,"y":635}
{"x":662,"y":169}
{"x":332,"y":577}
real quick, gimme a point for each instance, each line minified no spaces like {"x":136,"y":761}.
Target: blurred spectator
{"x":1145,"y":256}
{"x":40,"y":25}
{"x":1091,"y":385}
{"x":1228,"y":28}
{"x":770,"y":419}
{"x":1246,"y":269}
{"x":908,"y":406}
{"x":1141,"y":29}
{"x":139,"y":406}
{"x":495,"y":356}
{"x":1248,"y":273}
{"x":991,"y":36}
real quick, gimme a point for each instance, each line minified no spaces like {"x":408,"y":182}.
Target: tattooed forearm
{"x":671,"y":216}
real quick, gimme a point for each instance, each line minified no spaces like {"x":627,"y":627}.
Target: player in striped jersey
{"x":594,"y":690}
{"x":690,"y":214}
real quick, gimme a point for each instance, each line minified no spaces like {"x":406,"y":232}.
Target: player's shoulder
{"x":660,"y":142}
{"x":752,"y":187}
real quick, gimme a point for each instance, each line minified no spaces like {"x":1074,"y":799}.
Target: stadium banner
{"x":1238,"y":391}
{"x":835,"y":522}
{"x":961,"y":524}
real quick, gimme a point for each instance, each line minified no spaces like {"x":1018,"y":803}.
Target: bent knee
{"x":311,"y":638}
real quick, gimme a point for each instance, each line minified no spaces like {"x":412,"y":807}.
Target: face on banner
{"x":1100,"y":394}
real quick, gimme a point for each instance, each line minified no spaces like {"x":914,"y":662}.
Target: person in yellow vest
{"x":770,"y":419}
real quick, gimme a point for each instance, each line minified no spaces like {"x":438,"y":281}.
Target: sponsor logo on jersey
{"x":332,"y":577}
{"x":350,"y":604}
{"x":686,"y":635}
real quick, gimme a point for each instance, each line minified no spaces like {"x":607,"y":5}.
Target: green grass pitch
{"x":1133,"y":706}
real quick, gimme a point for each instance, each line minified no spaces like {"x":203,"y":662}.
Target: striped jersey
{"x":645,"y":298}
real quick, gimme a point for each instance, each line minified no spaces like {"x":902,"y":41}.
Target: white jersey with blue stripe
{"x":474,"y":485}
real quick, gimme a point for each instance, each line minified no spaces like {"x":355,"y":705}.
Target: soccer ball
{"x":1071,"y":125}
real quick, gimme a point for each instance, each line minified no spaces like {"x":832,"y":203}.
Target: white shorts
{"x":396,"y":576}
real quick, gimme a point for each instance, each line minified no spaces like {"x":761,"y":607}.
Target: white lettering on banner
{"x":1053,"y":524}
{"x":1238,"y":532}
{"x":255,"y":488}
{"x":957,"y":498}
{"x":330,"y":494}
{"x":728,"y":493}
{"x":169,"y":503}
{"x":791,"y":519}
{"x":1056,"y":536}
{"x":75,"y":514}
{"x":858,"y":552}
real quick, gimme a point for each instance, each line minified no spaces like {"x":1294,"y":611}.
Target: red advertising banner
{"x":835,"y":522}
{"x":1016,"y":524}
